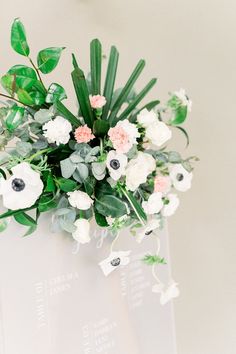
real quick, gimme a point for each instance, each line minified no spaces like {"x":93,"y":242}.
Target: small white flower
{"x":80,"y":200}
{"x":146,"y":230}
{"x":171,"y":292}
{"x":181,"y":178}
{"x":185,"y":101}
{"x":22,"y":189}
{"x":130,"y":129}
{"x":116,"y":164}
{"x":114,"y":260}
{"x":138,"y":170}
{"x":145,"y":117}
{"x":158,"y":133}
{"x":57,"y":130}
{"x":81,"y":234}
{"x":154,"y":204}
{"x":170,"y":208}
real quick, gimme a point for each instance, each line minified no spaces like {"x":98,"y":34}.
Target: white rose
{"x":158,"y":133}
{"x":81,"y":234}
{"x":154,"y":204}
{"x":145,"y":117}
{"x":80,"y":200}
{"x":170,"y":208}
{"x":57,"y":130}
{"x":138,"y":170}
{"x":181,"y":178}
{"x":22,"y":189}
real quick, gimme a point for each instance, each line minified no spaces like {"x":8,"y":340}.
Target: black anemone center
{"x":180,"y":177}
{"x":115,"y":164}
{"x":18,"y":184}
{"x":148,"y":232}
{"x":115,"y":262}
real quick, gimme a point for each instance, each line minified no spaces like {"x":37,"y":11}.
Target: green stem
{"x":39,"y":153}
{"x":101,"y":146}
{"x":124,"y":191}
{"x":37,"y":71}
{"x":14,"y":99}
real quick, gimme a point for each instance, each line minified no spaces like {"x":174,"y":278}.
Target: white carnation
{"x":57,"y":130}
{"x":80,"y":200}
{"x":158,"y":133}
{"x":130,"y":129}
{"x":138,"y":170}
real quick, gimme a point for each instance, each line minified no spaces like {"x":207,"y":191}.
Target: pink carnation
{"x":162,"y":184}
{"x":83,"y":134}
{"x":97,"y":101}
{"x":119,"y":139}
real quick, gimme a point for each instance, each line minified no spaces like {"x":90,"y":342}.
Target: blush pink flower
{"x":83,"y":134}
{"x":162,"y":184}
{"x":97,"y":101}
{"x":120,"y":139}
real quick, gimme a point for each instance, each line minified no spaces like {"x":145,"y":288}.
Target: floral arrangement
{"x":108,"y":162}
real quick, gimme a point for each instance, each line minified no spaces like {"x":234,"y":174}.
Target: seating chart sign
{"x":55,"y":299}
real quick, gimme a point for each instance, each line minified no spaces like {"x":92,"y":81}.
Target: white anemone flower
{"x":22,"y":189}
{"x":57,"y":130}
{"x":170,"y":293}
{"x":173,"y":203}
{"x":147,"y":230}
{"x":154,"y":204}
{"x":116,"y":164}
{"x":82,"y":232}
{"x":185,"y":101}
{"x":114,"y":261}
{"x":181,"y":178}
{"x":80,"y":200}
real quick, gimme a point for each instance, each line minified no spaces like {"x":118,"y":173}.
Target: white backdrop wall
{"x":188,"y":44}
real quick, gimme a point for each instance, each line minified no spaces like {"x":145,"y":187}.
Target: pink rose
{"x":83,"y":134}
{"x":97,"y":101}
{"x":119,"y":139}
{"x":162,"y":184}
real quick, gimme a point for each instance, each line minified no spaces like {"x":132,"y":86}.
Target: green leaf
{"x":37,"y":97}
{"x":46,"y":202}
{"x":81,"y":173}
{"x":18,"y":38}
{"x":100,"y":127}
{"x":50,"y":184}
{"x":66,"y":185}
{"x":96,"y":66}
{"x":25,"y":76}
{"x":136,"y":100}
{"x":134,"y":204}
{"x":82,"y":94}
{"x":14,"y":117}
{"x":126,"y":90}
{"x":174,"y":157}
{"x":8,"y":82}
{"x":67,"y":114}
{"x":153,"y":259}
{"x":55,"y":93}
{"x":24,"y":97}
{"x":24,"y":219}
{"x":15,"y":212}
{"x":101,"y":220}
{"x":89,"y":185}
{"x":180,"y":115}
{"x":67,"y":168}
{"x":149,"y":106}
{"x":110,"y":80}
{"x":48,"y":59}
{"x":109,"y":205}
